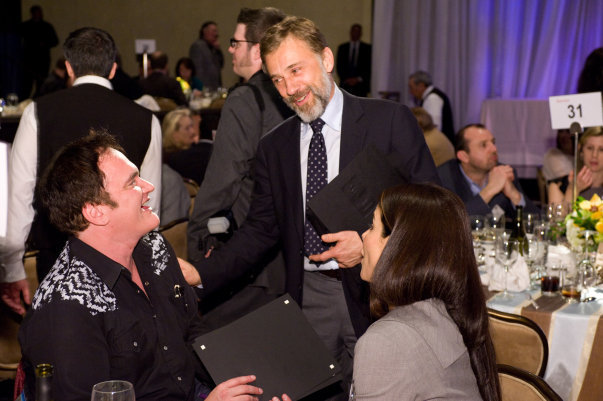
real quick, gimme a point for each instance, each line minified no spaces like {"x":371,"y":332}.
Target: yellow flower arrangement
{"x":586,"y":215}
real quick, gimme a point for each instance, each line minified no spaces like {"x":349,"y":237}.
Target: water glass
{"x":113,"y":390}
{"x":507,"y":252}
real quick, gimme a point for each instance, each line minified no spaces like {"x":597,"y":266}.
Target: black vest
{"x":69,"y":114}
{"x":447,"y":125}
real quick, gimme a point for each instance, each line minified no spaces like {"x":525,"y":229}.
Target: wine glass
{"x":506,"y":254}
{"x":531,"y":253}
{"x":530,"y":222}
{"x":113,"y":390}
{"x":478,"y":226}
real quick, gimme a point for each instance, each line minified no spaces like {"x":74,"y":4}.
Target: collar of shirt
{"x":428,"y":90}
{"x":107,"y":269}
{"x":93,"y":79}
{"x":475,"y":189}
{"x":332,"y":133}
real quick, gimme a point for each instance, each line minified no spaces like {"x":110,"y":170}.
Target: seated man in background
{"x":115,"y":304}
{"x":477,"y":178}
{"x":159,"y":84}
{"x":440,"y":147}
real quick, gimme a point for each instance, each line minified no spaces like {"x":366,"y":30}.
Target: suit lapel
{"x":353,"y":131}
{"x":291,"y":172}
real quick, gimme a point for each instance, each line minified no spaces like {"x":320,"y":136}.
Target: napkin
{"x":561,"y":256}
{"x":518,"y":278}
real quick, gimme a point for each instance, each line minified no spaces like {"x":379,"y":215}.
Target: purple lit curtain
{"x":480,"y":49}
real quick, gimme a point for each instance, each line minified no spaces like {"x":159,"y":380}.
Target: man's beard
{"x":311,"y":111}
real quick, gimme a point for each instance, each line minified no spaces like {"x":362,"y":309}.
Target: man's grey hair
{"x":421,"y":77}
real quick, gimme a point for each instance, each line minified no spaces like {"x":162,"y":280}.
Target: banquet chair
{"x":517,"y":384}
{"x":192,"y":187}
{"x":10,"y":350}
{"x":518,"y":342}
{"x":175,"y":233}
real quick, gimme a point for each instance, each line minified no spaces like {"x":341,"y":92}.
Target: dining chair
{"x":175,"y":233}
{"x":517,"y":384}
{"x":10,"y":350}
{"x":192,"y":187}
{"x":518,"y":342}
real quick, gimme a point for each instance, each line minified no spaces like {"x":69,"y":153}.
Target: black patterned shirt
{"x":93,"y":323}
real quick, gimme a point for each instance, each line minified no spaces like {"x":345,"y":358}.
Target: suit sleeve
{"x":245,"y":249}
{"x":229,"y":166}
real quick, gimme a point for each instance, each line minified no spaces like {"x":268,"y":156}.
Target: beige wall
{"x":175,"y":24}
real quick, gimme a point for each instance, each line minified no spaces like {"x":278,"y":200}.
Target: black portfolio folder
{"x":348,"y":202}
{"x":277,"y":345}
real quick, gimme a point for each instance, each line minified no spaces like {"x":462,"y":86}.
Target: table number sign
{"x":584,"y":108}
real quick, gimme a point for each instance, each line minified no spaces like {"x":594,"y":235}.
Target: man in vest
{"x":50,"y":123}
{"x":433,"y":100}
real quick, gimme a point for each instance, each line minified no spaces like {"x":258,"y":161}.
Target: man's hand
{"x":347,"y":250}
{"x":11,"y":295}
{"x":191,"y":275}
{"x":235,"y":389}
{"x":285,"y":398}
{"x":497,"y":179}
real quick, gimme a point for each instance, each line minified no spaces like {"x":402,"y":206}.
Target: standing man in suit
{"x":354,"y":64}
{"x":53,"y":121}
{"x":331,"y":127}
{"x":433,"y":100}
{"x":207,"y":56}
{"x":477,"y":178}
{"x":251,"y":110}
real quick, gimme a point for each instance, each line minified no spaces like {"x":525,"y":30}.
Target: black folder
{"x":348,"y":202}
{"x":277,"y":345}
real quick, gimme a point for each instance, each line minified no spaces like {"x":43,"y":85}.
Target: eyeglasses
{"x":235,"y":42}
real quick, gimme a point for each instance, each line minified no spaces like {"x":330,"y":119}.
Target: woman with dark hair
{"x":431,"y":340}
{"x":185,"y":74}
{"x":591,"y":77}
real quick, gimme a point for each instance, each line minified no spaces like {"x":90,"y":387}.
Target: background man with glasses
{"x":250,"y":111}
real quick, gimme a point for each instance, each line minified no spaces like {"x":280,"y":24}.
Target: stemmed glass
{"x":113,"y":390}
{"x":478,"y":226}
{"x":531,"y":253}
{"x":530,"y":222}
{"x":506,"y":254}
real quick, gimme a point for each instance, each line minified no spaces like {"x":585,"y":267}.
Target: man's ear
{"x":113,"y":69}
{"x":463,"y":156}
{"x":69,"y":69}
{"x":96,"y":214}
{"x":328,"y":60}
{"x":255,"y":52}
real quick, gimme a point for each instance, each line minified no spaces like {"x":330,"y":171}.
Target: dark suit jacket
{"x":345,"y":69}
{"x":452,"y":179}
{"x":277,"y":211}
{"x":160,"y":85}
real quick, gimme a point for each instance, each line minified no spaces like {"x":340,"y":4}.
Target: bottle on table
{"x":44,"y":382}
{"x":518,"y":232}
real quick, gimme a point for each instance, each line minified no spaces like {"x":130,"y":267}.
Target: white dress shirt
{"x":434,"y":104}
{"x":22,"y":170}
{"x":332,"y":133}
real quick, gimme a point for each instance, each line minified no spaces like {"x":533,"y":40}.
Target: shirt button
{"x":179,"y":378}
{"x":154,"y":316}
{"x":146,"y":283}
{"x":165,"y":347}
{"x":135,"y":344}
{"x":138,"y":291}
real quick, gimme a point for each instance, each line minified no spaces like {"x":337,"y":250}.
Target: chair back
{"x":192,"y":188}
{"x":175,"y":233}
{"x":10,"y":350}
{"x":517,"y":384}
{"x":518,"y":342}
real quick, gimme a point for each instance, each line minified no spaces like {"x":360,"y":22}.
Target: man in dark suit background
{"x":327,"y":285}
{"x":477,"y":177}
{"x":354,"y":64}
{"x":46,"y":126}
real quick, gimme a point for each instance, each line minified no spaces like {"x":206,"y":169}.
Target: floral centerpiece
{"x":586,"y":215}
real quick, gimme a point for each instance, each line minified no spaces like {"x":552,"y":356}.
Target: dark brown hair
{"x":459,"y":139}
{"x":298,"y":27}
{"x":74,"y":179}
{"x":258,"y":20}
{"x":90,"y":51}
{"x":429,"y":254}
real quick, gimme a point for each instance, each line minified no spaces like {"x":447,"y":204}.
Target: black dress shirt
{"x":93,"y":323}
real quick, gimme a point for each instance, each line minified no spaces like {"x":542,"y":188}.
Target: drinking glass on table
{"x":478,"y":229}
{"x":506,"y":254}
{"x":113,"y":390}
{"x":531,"y":254}
{"x":530,"y":221}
